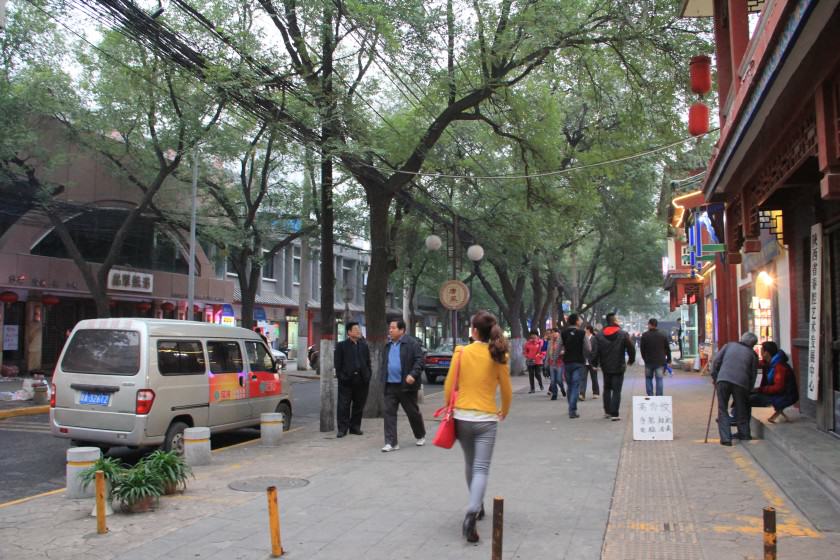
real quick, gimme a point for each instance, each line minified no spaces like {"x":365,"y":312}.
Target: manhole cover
{"x":260,"y":483}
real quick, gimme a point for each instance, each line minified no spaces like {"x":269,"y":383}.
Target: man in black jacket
{"x":574,"y":361}
{"x":656,"y":353}
{"x":608,"y":351}
{"x":352,"y":368}
{"x":402,"y":366}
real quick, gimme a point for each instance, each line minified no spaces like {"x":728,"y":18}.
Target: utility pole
{"x":191,"y":281}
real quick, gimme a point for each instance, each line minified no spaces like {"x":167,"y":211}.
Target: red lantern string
{"x":698,"y":119}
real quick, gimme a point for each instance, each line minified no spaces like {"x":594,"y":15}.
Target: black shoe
{"x":563,"y":393}
{"x":726,"y":443}
{"x":356,"y":432}
{"x":531,"y":391}
{"x":480,"y":515}
{"x":744,"y":438}
{"x":554,"y":398}
{"x":574,"y":415}
{"x":340,"y":434}
{"x":468,"y":530}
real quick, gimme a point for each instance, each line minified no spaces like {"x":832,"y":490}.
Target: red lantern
{"x":698,"y":119}
{"x":168,"y":306}
{"x":143,"y":306}
{"x":8,"y":297}
{"x":50,"y":300}
{"x":196,"y":309}
{"x":112,"y":303}
{"x":700,"y":70}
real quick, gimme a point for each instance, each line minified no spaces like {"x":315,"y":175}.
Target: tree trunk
{"x":377,"y":288}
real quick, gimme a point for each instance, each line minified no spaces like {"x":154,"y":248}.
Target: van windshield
{"x":102,"y":351}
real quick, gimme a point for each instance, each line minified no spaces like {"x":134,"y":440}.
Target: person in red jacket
{"x":534,"y":359}
{"x":778,"y":382}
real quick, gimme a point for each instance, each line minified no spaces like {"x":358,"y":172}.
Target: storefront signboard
{"x":653,"y":418}
{"x":11,"y":335}
{"x":131,"y":281}
{"x":814,"y":312}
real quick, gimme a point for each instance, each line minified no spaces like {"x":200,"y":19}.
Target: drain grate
{"x":260,"y":483}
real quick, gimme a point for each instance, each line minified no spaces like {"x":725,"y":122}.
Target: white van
{"x":141,"y":382}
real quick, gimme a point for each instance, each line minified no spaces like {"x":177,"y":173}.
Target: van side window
{"x":180,"y":357}
{"x":258,"y":356}
{"x":225,"y":357}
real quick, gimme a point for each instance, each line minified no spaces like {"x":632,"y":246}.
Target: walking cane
{"x":711,"y":408}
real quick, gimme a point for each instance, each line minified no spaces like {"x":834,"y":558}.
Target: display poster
{"x":11,"y":335}
{"x":653,"y":418}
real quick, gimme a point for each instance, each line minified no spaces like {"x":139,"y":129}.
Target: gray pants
{"x":477,"y":440}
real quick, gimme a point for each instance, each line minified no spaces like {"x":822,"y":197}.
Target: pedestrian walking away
{"x":352,"y":369}
{"x":483,"y":371}
{"x":574,"y":361}
{"x":402,"y":362}
{"x":656,"y":354}
{"x":778,"y":382}
{"x":609,"y":348}
{"x":590,"y":370}
{"x":554,"y":359}
{"x":534,"y":359}
{"x":734,"y":370}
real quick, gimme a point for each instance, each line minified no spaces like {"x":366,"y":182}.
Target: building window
{"x":296,"y":266}
{"x":268,"y":266}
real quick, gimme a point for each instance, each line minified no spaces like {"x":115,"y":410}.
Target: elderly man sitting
{"x":778,"y":384}
{"x":734,"y":370}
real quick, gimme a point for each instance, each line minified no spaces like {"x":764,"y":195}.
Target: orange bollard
{"x":274,"y":523}
{"x":101,"y":527}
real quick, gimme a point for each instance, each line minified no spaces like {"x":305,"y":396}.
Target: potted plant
{"x":171,"y":467}
{"x":138,"y":489}
{"x":112,"y":469}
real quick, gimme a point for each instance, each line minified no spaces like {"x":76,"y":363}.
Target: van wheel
{"x":286,"y":410}
{"x":174,"y":440}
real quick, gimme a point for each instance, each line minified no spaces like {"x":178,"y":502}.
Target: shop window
{"x":296,"y":266}
{"x":181,"y":357}
{"x":268,"y":266}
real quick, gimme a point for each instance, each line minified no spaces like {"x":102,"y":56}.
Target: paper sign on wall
{"x":653,"y":418}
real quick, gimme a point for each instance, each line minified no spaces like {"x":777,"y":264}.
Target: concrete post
{"x":197,"y":446}
{"x":271,"y":428}
{"x":304,"y":291}
{"x":79,"y":459}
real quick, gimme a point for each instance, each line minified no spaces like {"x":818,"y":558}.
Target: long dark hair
{"x":490,"y":332}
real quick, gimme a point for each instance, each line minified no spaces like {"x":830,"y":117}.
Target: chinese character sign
{"x":653,"y":418}
{"x":814,"y":312}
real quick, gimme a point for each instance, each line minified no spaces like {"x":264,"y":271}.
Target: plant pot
{"x":140,"y":506}
{"x":171,"y":488}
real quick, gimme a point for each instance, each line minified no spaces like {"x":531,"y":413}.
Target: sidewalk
{"x":576,"y":489}
{"x":10,"y":409}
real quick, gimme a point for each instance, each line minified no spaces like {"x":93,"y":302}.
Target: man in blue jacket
{"x":402,"y":366}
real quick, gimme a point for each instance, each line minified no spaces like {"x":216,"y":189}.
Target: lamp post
{"x":455,"y":287}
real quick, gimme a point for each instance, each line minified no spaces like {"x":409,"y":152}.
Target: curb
{"x":24,"y":411}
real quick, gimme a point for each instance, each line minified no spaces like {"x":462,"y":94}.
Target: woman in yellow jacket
{"x":483,"y":368}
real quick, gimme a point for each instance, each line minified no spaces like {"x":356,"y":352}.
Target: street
{"x":33,"y":461}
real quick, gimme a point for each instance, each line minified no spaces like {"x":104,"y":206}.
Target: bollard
{"x":274,"y":522}
{"x":498,"y":526}
{"x":271,"y":428}
{"x":769,"y":533}
{"x":101,"y":528}
{"x":79,"y":459}
{"x":197,"y":446}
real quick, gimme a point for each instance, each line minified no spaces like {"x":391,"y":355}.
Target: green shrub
{"x":171,"y":467}
{"x":110,"y":467}
{"x":137,"y":483}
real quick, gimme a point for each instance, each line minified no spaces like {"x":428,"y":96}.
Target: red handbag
{"x":445,"y":435}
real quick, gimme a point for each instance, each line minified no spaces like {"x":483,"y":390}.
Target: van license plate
{"x":101,"y":399}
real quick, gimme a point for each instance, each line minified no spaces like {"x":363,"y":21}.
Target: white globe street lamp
{"x":475,"y":253}
{"x":433,"y":243}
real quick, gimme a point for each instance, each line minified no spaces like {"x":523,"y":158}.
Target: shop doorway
{"x":832,"y":278}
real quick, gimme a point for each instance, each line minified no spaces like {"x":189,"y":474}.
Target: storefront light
{"x":765,"y":278}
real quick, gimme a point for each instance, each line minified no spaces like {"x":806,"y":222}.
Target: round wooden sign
{"x":454,"y":294}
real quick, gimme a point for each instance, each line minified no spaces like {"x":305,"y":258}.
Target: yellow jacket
{"x":477,"y":380}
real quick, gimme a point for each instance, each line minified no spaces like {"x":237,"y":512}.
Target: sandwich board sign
{"x":653,"y":418}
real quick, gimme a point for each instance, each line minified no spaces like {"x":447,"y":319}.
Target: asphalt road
{"x":32,"y":461}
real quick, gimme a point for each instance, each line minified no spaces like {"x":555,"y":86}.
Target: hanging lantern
{"x":700,"y":70}
{"x":698,"y":119}
{"x":8,"y":297}
{"x":50,"y":300}
{"x":143,"y":306}
{"x":168,"y":306}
